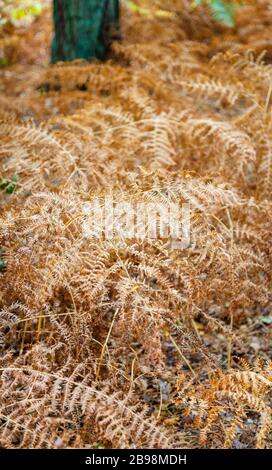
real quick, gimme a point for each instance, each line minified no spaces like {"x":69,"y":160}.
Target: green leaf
{"x":267,"y":320}
{"x":223,"y":13}
{"x":3,"y":265}
{"x":3,"y":61}
{"x":221,"y":10}
{"x":9,"y":186}
{"x":133,"y":7}
{"x":3,"y":184}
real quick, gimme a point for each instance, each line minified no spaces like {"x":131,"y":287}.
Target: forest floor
{"x":183,"y":105}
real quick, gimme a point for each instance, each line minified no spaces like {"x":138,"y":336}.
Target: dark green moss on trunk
{"x":83,"y":28}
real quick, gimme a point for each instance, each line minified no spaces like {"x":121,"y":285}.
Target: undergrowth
{"x":131,"y":343}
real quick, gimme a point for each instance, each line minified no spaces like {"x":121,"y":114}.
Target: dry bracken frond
{"x":99,"y":321}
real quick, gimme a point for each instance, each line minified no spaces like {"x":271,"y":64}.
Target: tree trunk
{"x":83,"y":28}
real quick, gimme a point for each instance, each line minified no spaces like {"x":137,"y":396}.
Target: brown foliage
{"x":92,"y":331}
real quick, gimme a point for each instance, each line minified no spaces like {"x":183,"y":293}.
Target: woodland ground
{"x":130,"y":343}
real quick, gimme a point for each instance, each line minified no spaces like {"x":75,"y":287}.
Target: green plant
{"x":16,"y":12}
{"x":144,"y":8}
{"x":222,"y":10}
{"x":8,"y":186}
{"x":3,"y":263}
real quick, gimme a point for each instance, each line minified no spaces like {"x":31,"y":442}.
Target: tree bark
{"x":83,"y":28}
